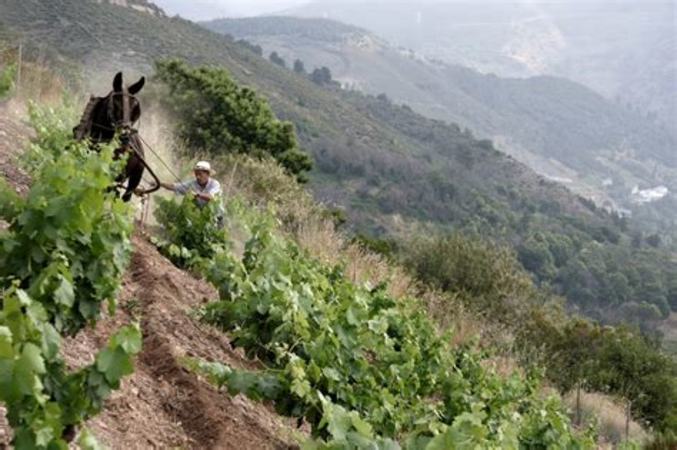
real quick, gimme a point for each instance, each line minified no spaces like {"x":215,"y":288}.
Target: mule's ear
{"x":117,"y":82}
{"x":136,"y":87}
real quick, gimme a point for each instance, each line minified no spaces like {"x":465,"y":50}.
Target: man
{"x":205,"y":188}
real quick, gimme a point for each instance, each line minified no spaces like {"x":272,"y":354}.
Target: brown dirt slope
{"x":13,"y":134}
{"x":162,"y":405}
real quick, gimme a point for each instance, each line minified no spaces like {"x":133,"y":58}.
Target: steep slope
{"x":361,"y":151}
{"x":392,"y":170}
{"x":561,"y":129}
{"x":162,"y":405}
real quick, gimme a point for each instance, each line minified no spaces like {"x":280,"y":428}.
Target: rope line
{"x":169,"y":169}
{"x":147,"y":145}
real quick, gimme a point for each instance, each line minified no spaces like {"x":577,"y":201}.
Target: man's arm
{"x":179,"y":188}
{"x":206,"y":196}
{"x":213,"y":190}
{"x":169,"y":186}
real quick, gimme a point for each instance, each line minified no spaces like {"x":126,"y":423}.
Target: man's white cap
{"x":203,"y":165}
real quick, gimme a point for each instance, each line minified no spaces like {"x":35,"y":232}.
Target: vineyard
{"x":353,"y":365}
{"x":63,"y":254}
{"x":58,"y":363}
{"x":363,"y":369}
{"x":246,"y":336}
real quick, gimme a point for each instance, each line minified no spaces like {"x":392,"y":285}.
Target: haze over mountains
{"x":211,"y":9}
{"x":622,"y":49}
{"x":563,"y":130}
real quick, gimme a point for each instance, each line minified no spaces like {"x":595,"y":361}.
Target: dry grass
{"x":39,"y":84}
{"x":321,"y":240}
{"x":609,"y":415}
{"x":264,"y":183}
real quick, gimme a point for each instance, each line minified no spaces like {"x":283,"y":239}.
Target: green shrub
{"x":486,"y":274}
{"x":618,"y":361}
{"x":220,"y":117}
{"x":190,"y":232}
{"x":68,"y":238}
{"x":7,"y":77}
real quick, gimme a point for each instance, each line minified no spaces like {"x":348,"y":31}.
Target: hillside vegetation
{"x":58,"y":251}
{"x":392,"y":170}
{"x":563,"y":130}
{"x":390,"y":375}
{"x":486,"y":278}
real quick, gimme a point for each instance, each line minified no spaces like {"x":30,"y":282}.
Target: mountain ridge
{"x":392,"y":171}
{"x":562,"y":129}
{"x":622,"y":49}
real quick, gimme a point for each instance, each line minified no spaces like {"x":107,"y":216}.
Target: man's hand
{"x":203,"y":196}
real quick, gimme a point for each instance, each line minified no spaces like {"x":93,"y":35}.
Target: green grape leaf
{"x":114,"y":364}
{"x":64,"y":294}
{"x":31,"y":359}
{"x":6,"y":349}
{"x":129,"y":339}
{"x":87,"y":441}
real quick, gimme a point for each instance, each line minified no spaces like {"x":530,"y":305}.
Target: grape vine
{"x":365,"y":370}
{"x":62,"y":255}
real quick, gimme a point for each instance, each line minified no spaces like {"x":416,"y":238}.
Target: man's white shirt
{"x":212,"y":188}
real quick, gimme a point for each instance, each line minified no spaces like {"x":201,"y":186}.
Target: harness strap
{"x":86,"y":121}
{"x":126,"y":113}
{"x":126,"y":109}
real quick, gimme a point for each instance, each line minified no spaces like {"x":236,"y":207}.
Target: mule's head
{"x":124,"y":108}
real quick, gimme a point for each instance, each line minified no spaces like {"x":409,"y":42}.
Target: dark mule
{"x":117,"y":113}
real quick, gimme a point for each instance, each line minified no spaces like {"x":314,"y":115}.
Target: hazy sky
{"x":209,"y":9}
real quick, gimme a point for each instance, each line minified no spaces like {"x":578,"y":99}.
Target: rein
{"x":128,"y":132}
{"x":126,"y":112}
{"x":131,"y":144}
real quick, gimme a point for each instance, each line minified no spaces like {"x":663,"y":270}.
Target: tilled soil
{"x":161,"y":405}
{"x":13,"y":135}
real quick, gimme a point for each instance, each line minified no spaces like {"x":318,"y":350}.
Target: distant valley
{"x":624,"y":49}
{"x":565,"y":131}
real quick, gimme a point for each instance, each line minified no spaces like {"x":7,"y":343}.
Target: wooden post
{"x":628,"y":407}
{"x":18,"y":68}
{"x":40,"y":63}
{"x":578,"y":403}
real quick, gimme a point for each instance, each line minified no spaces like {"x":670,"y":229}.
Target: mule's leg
{"x":135,"y":172}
